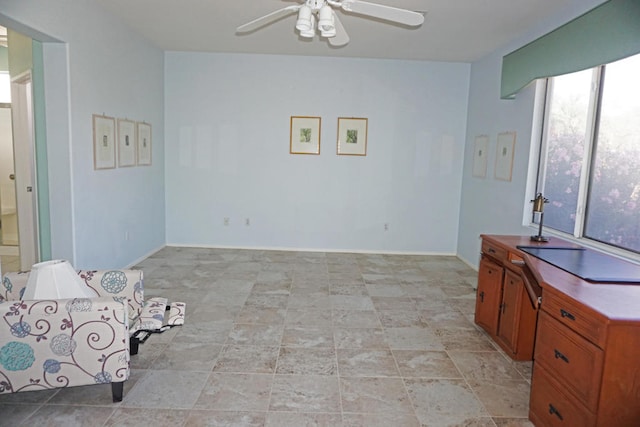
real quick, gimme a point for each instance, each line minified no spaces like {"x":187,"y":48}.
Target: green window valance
{"x":607,"y":33}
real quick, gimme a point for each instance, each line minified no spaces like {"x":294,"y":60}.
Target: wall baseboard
{"x":142,"y":258}
{"x":289,"y":249}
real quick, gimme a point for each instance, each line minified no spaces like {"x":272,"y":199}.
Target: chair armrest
{"x":13,"y":285}
{"x":118,"y":284}
{"x":59,"y":343}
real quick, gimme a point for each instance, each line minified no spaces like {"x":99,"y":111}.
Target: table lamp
{"x":538,"y":207}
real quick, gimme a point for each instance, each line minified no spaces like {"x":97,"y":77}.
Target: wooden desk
{"x":587,"y":343}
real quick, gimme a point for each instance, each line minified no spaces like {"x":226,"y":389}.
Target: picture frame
{"x":480,"y":156}
{"x":104,"y":144}
{"x":304,"y":137}
{"x":144,"y":143}
{"x":127,"y":143}
{"x":504,"y":155}
{"x":352,"y":136}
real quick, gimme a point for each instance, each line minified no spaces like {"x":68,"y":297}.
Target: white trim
{"x":289,"y":249}
{"x":144,"y":257}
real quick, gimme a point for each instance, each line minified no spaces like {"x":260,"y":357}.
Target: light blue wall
{"x":102,"y":67}
{"x":490,"y":206}
{"x":227,"y":153}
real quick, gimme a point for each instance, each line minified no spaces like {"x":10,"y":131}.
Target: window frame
{"x":539,"y":163}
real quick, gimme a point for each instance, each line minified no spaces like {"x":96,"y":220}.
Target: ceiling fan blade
{"x":388,"y":13}
{"x":267,"y":19}
{"x":341,"y":38}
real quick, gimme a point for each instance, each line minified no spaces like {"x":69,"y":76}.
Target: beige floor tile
{"x":166,"y":389}
{"x":299,"y":336}
{"x":504,"y":398}
{"x":306,"y":361}
{"x":63,"y":416}
{"x":380,"y":420}
{"x":305,"y":393}
{"x":247,"y":359}
{"x":484,"y":366}
{"x":366,"y":363}
{"x":236,"y":392}
{"x":444,"y":401}
{"x":206,"y":418}
{"x":425,"y":364}
{"x":374,"y":395}
{"x":355,"y":319}
{"x":135,"y":417}
{"x":413,"y":338}
{"x":360,"y":338}
{"x":252,"y":334}
{"x":294,"y":419}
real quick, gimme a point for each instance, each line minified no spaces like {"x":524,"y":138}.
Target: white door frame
{"x":25,"y":167}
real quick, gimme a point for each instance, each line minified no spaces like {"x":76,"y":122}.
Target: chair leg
{"x":117,"y":390}
{"x":134,"y":343}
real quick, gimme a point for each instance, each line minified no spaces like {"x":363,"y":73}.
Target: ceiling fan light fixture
{"x":311,"y":31}
{"x":326,"y":24}
{"x":304,"y":22}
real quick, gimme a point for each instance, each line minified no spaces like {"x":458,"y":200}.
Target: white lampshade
{"x":311,"y":32}
{"x":326,"y":24}
{"x":55,"y":280}
{"x":304,"y":22}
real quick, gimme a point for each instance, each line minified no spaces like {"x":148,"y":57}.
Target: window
{"x":590,"y":154}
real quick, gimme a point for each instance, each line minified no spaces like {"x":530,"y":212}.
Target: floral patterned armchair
{"x":60,"y":343}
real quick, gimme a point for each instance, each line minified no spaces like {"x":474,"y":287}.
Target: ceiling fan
{"x":319,"y":16}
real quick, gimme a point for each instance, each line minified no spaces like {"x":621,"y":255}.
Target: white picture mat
{"x":352,"y":136}
{"x":305,"y":135}
{"x":504,"y":155}
{"x":144,"y":143}
{"x":126,"y":143}
{"x":104,"y":148}
{"x":480,"y":156}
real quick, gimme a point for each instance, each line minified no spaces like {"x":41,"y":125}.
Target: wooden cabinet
{"x":586,"y":369}
{"x":510,"y":310}
{"x":503,"y":306}
{"x":489,"y":295}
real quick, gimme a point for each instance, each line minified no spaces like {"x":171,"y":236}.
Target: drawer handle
{"x":566,"y":314}
{"x":554,"y":411}
{"x":561,"y":356}
{"x":482,"y":296}
{"x":491,"y":251}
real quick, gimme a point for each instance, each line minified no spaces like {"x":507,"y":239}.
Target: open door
{"x":25,"y":180}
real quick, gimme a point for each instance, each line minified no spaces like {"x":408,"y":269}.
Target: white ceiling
{"x":454,"y":30}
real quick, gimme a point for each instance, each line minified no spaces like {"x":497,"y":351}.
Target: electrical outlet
{"x":226,"y":221}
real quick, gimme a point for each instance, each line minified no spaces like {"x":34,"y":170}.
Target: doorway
{"x":19,"y":248}
{"x":9,"y":249}
{"x":25,"y":168}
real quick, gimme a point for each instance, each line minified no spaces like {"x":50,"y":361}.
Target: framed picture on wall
{"x":104,"y":142}
{"x":480,"y":155}
{"x":127,"y":145}
{"x":304,"y":135}
{"x":352,"y":136}
{"x":144,"y":143}
{"x":504,"y":155}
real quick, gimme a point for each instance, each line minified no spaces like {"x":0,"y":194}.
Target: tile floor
{"x":303,"y":339}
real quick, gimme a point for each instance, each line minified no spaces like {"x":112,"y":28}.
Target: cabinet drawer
{"x":494,"y":251}
{"x":585,"y":322}
{"x":550,"y":407}
{"x":575,"y":362}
